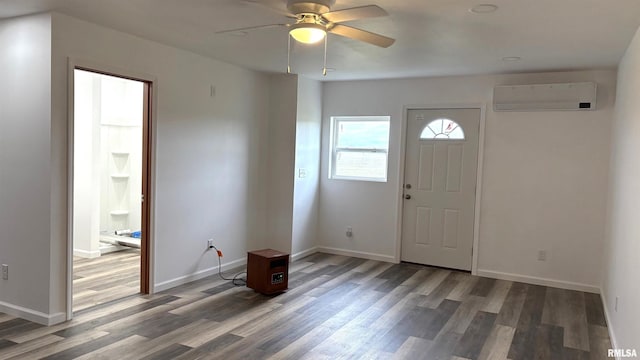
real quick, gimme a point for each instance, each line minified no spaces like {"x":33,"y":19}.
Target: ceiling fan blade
{"x":250,"y":28}
{"x":356,"y":13}
{"x":362,"y":35}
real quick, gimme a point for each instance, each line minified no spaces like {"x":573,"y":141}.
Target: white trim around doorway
{"x":72,"y":64}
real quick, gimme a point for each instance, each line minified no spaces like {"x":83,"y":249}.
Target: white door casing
{"x":439,"y":187}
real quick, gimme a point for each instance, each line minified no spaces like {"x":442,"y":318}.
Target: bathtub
{"x":110,"y":243}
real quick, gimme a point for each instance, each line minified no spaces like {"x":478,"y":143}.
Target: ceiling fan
{"x":314,"y":19}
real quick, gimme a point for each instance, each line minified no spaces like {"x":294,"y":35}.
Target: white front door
{"x":439,"y":187}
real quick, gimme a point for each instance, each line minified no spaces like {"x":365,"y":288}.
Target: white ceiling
{"x":434,"y":37}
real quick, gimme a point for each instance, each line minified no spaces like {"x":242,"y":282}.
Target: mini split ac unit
{"x":545,"y":97}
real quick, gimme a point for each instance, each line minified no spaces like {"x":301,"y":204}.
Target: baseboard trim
{"x":86,"y":254}
{"x":568,"y":285}
{"x":612,"y":335}
{"x":357,"y":254}
{"x":32,"y":315}
{"x":299,"y":255}
{"x":165,"y":285}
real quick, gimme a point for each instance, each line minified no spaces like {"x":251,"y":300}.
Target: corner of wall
{"x":307,"y":166}
{"x":620,"y":296}
{"x":32,"y":199}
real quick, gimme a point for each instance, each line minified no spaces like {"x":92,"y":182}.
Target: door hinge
{"x":142,"y":198}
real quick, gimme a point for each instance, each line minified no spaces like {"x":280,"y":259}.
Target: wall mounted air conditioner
{"x":545,"y":97}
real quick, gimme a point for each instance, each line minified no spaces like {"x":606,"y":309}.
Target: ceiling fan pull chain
{"x":324,"y":66}
{"x":289,"y":54}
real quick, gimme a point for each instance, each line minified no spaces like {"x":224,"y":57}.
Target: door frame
{"x":401,"y":171}
{"x":148,"y":163}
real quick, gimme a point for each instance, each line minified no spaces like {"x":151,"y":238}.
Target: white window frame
{"x":334,"y":149}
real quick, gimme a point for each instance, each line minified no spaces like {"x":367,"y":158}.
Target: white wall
{"x":294,"y":143}
{"x":25,"y":167}
{"x":86,"y":175}
{"x":621,"y":271}
{"x":544,"y":177}
{"x":307,"y":159}
{"x":211,"y":155}
{"x":208,"y":150}
{"x":283,"y":95}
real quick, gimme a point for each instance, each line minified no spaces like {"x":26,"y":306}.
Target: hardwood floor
{"x":336,"y":308}
{"x":111,"y":276}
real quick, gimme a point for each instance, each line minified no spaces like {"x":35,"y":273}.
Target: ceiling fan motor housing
{"x":306,"y":6}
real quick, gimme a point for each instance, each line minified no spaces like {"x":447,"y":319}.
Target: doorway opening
{"x":110,"y":218}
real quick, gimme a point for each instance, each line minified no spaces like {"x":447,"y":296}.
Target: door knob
{"x":407,"y":196}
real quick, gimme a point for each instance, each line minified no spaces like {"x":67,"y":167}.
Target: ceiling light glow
{"x":308,"y":33}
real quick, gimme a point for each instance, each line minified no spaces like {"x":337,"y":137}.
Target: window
{"x":442,"y":129}
{"x":359,"y":148}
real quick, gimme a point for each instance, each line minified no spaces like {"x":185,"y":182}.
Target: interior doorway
{"x":110,"y":219}
{"x":441,"y":159}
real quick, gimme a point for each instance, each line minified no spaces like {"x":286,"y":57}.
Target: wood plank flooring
{"x":109,"y":277}
{"x":336,"y":308}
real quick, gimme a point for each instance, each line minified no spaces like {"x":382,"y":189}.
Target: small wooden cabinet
{"x":267,"y":271}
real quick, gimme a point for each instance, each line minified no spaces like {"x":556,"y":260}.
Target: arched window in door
{"x":445,"y":129}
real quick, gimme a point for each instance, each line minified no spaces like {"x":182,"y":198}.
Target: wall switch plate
{"x":5,"y":272}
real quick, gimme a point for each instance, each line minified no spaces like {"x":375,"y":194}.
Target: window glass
{"x":446,"y":129}
{"x":359,"y":148}
{"x":363,"y":134}
{"x":361,"y":164}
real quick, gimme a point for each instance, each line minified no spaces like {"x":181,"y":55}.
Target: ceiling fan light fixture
{"x":308,"y":33}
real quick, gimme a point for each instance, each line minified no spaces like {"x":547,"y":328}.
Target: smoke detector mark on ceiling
{"x":483,"y":9}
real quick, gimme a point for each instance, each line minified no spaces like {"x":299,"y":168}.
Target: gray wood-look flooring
{"x":336,"y":308}
{"x":106,"y":278}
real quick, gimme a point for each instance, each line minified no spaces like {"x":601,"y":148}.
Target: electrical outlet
{"x":5,"y":272}
{"x":349,"y":231}
{"x":616,"y":305}
{"x":209,"y":244}
{"x":542,"y":255}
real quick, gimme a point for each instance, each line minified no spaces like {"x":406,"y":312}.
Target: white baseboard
{"x":357,"y":254}
{"x":197,"y":275}
{"x":86,"y":254}
{"x":612,"y":335}
{"x":568,"y":285}
{"x":299,"y":255}
{"x":32,"y":315}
